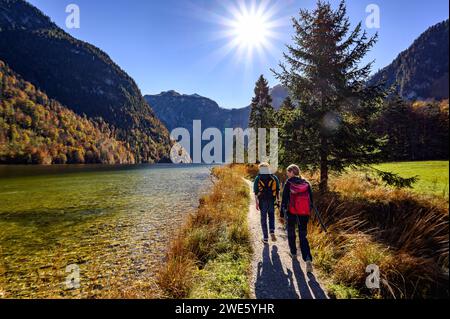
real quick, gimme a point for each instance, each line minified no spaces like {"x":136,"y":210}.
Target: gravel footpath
{"x":275,"y":275}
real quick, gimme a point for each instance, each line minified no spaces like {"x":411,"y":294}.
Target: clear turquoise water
{"x":113,"y":222}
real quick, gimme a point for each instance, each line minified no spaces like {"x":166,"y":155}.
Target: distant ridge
{"x":180,"y":110}
{"x":421,"y":71}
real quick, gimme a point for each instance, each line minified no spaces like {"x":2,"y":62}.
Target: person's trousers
{"x":267,"y":208}
{"x":300,"y":222}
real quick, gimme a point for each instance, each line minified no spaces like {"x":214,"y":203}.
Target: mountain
{"x":421,"y":72}
{"x":37,"y":130}
{"x":178,"y":110}
{"x":80,"y":76}
{"x":279,"y":93}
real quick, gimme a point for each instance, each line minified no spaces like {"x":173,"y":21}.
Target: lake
{"x":110,"y":224}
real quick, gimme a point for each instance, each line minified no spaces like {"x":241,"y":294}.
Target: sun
{"x":250,"y":29}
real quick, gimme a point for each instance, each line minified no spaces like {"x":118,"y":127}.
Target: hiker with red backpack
{"x":297,"y":204}
{"x":267,"y":191}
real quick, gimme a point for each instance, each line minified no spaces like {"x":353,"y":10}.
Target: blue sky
{"x":176,"y":44}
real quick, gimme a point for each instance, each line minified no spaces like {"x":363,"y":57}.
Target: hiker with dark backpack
{"x":267,"y":191}
{"x":297,"y":204}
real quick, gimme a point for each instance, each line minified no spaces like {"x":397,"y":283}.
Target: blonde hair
{"x":264,"y":165}
{"x":294,"y":169}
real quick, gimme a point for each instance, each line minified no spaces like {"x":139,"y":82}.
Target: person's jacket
{"x":287,"y":194}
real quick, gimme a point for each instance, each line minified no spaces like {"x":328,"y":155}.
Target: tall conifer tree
{"x":262,"y":113}
{"x":323,"y":73}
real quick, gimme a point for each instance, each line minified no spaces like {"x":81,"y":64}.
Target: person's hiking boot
{"x":309,"y":267}
{"x":274,"y":237}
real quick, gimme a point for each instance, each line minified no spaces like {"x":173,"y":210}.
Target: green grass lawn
{"x":433,"y":175}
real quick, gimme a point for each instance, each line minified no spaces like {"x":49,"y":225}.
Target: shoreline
{"x":209,"y":257}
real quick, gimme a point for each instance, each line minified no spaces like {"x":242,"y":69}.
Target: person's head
{"x":264,"y":168}
{"x":293,"y":171}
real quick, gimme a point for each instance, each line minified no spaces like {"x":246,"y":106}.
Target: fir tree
{"x":336,"y":107}
{"x":262,"y":113}
{"x":287,"y":125}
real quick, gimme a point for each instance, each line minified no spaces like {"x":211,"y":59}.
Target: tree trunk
{"x":324,"y":167}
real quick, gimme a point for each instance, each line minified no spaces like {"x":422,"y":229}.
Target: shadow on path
{"x":309,"y":289}
{"x":277,"y":282}
{"x":315,"y":288}
{"x":272,"y":282}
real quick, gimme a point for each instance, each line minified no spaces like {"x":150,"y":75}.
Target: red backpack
{"x":300,"y":201}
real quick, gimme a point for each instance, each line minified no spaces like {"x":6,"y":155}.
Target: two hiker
{"x":295,"y":208}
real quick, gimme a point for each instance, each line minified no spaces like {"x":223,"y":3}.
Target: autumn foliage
{"x":37,"y":130}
